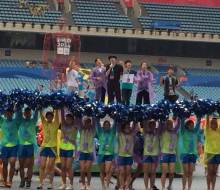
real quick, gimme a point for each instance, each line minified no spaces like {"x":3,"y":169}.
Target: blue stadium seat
{"x":194,"y":19}
{"x":99,"y":13}
{"x":24,"y":15}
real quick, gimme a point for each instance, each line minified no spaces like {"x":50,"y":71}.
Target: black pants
{"x":171,"y":98}
{"x":143,"y":95}
{"x":113,"y":89}
{"x":126,"y":96}
{"x":100,"y":94}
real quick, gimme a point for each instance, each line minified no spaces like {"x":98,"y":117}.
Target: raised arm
{"x":176,"y":124}
{"x":98,"y":127}
{"x":56,"y":116}
{"x":94,"y":121}
{"x":161,"y":127}
{"x":42,"y":116}
{"x":182,"y":124}
{"x":197,"y":126}
{"x":35,"y":116}
{"x":62,"y":116}
{"x":78,"y":122}
{"x":19,"y":116}
{"x":207,"y":121}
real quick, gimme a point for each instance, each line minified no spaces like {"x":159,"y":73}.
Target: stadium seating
{"x":190,"y":18}
{"x":16,"y":68}
{"x":99,"y":13}
{"x":7,"y":84}
{"x":23,"y":14}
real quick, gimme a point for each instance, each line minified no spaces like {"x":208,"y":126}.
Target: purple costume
{"x":144,"y":81}
{"x":100,"y":85}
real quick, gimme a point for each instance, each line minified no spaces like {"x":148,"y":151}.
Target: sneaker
{"x":50,"y":186}
{"x":22,"y":184}
{"x":155,"y":187}
{"x":62,"y":187}
{"x":40,"y":187}
{"x":28,"y":184}
{"x":69,"y":187}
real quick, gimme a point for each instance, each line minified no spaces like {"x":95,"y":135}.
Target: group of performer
{"x":147,"y":143}
{"x":117,"y":79}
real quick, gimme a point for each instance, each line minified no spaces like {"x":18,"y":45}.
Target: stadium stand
{"x":99,"y":13}
{"x":181,"y":18}
{"x":7,"y":84}
{"x":33,"y":12}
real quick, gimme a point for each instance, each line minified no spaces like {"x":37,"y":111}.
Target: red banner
{"x":210,"y":3}
{"x":129,"y":3}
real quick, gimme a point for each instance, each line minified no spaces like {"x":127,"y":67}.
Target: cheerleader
{"x":151,"y":152}
{"x":9,"y":126}
{"x":212,"y":150}
{"x":168,"y":141}
{"x":138,"y":154}
{"x":27,"y":142}
{"x":87,"y":134}
{"x":126,"y":133}
{"x":69,"y":129}
{"x":106,"y":133}
{"x":50,"y":125}
{"x":188,"y":136}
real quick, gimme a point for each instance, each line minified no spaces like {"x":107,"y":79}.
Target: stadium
{"x":40,"y":38}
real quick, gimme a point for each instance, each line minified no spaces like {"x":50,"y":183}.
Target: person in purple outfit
{"x":98,"y":77}
{"x":144,"y":80}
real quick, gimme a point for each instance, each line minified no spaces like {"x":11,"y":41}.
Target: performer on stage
{"x":9,"y":126}
{"x":27,"y":143}
{"x":144,"y":79}
{"x":126,"y":134}
{"x":50,"y":124}
{"x":188,"y":141}
{"x":69,"y":129}
{"x":72,"y":76}
{"x":127,"y":82}
{"x":106,"y":133}
{"x":212,"y":150}
{"x":168,"y":142}
{"x":170,"y":82}
{"x":98,"y":77}
{"x":113,"y":73}
{"x":151,"y":152}
{"x":87,"y":134}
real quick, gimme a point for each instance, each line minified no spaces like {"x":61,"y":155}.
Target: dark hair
{"x":70,"y":115}
{"x":106,"y":121}
{"x":171,"y":68}
{"x":27,"y":109}
{"x":11,"y":110}
{"x":112,"y":56}
{"x":127,"y":61}
{"x":49,"y":113}
{"x":96,"y":59}
{"x":124,"y":124}
{"x":188,"y":122}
